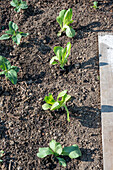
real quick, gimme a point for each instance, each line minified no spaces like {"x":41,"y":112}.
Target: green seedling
{"x":19,"y":4}
{"x":56,"y":149}
{"x":64,"y":19}
{"x":9,"y":71}
{"x":61,"y":55}
{"x":95,"y":5}
{"x":1,"y":154}
{"x":54,"y":105}
{"x":13,"y":33}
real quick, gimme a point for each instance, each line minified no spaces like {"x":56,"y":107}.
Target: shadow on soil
{"x":2,"y":129}
{"x":42,"y":44}
{"x":5,"y":50}
{"x":33,"y":79}
{"x":90,"y":64}
{"x":107,"y":108}
{"x":87,"y":154}
{"x":92,"y":27}
{"x":31,"y":11}
{"x":88,"y":116}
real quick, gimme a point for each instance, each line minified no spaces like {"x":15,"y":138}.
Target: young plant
{"x":64,"y":19}
{"x":1,"y":154}
{"x":61,"y":55}
{"x":13,"y":33}
{"x":56,"y":149}
{"x":19,"y":4}
{"x":9,"y":71}
{"x":95,"y":5}
{"x":54,"y":105}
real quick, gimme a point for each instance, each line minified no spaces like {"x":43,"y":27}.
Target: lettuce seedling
{"x":53,"y":105}
{"x":56,"y":149}
{"x":61,"y":55}
{"x":95,"y":5}
{"x":13,"y":33}
{"x":9,"y":71}
{"x":19,"y":4}
{"x":1,"y":154}
{"x":64,"y":19}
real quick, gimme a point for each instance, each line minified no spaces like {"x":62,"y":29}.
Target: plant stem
{"x":67,"y":112}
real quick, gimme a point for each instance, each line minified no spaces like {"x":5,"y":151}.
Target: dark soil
{"x":24,"y":126}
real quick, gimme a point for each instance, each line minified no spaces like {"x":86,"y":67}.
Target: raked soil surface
{"x":24,"y":125}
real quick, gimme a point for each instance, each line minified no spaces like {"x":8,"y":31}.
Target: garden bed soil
{"x":24,"y":126}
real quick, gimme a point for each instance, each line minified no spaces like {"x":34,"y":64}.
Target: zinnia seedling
{"x":56,"y":149}
{"x":13,"y":33}
{"x":64,"y":19}
{"x":54,"y":105}
{"x":9,"y":71}
{"x":95,"y":5}
{"x":61,"y":55}
{"x":19,"y":4}
{"x":1,"y":154}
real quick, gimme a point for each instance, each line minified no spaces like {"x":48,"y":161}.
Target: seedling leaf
{"x":46,"y":106}
{"x":14,"y":34}
{"x":62,"y":162}
{"x":70,"y":32}
{"x":72,"y":151}
{"x":67,"y":16}
{"x":4,"y":37}
{"x":61,"y":94}
{"x":64,"y":19}
{"x":55,"y":106}
{"x":43,"y":152}
{"x":56,"y":147}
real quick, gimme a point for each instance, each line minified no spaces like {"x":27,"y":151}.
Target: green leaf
{"x":68,"y":47}
{"x":4,"y":37}
{"x":61,"y":94}
{"x":52,"y":60}
{"x":66,"y":98}
{"x":43,"y":152}
{"x":4,"y":63}
{"x":17,"y":39}
{"x":12,"y":76}
{"x":55,"y":106}
{"x":95,"y":3}
{"x":69,"y":22}
{"x":49,"y":99}
{"x":23,"y":5}
{"x":2,"y":72}
{"x":68,"y":52}
{"x":61,"y":161}
{"x":13,"y":3}
{"x":15,"y":68}
{"x":58,"y":51}
{"x":46,"y":106}
{"x":17,"y":9}
{"x":59,"y":34}
{"x":64,"y":56}
{"x":1,"y":153}
{"x":10,"y":26}
{"x":24,"y":34}
{"x":61,"y":17}
{"x":72,"y":151}
{"x":70,"y":32}
{"x":56,"y":147}
{"x":14,"y":26}
{"x":11,"y":32}
{"x":67,"y":16}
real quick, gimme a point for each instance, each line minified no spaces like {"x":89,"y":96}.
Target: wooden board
{"x":105,"y":42}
